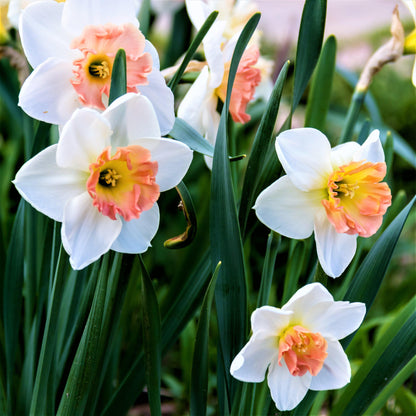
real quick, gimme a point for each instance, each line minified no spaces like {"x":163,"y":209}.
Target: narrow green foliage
{"x":12,"y":299}
{"x":151,"y":341}
{"x":42,"y":399}
{"x":267,"y":274}
{"x":263,"y":143}
{"x":321,"y":86}
{"x":183,"y":132}
{"x":352,"y":115}
{"x":311,"y":34}
{"x":192,"y":49}
{"x":393,"y":351}
{"x":118,"y":76}
{"x":84,"y":367}
{"x":199,"y":381}
{"x":226,"y":244}
{"x":144,"y":17}
{"x":370,"y":274}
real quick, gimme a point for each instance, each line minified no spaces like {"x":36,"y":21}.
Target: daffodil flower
{"x":335,"y":193}
{"x":104,"y":177}
{"x":199,"y":106}
{"x":4,"y":21}
{"x":72,"y":46}
{"x":299,"y":345}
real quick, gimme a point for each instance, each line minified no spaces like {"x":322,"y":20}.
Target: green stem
{"x":352,"y":115}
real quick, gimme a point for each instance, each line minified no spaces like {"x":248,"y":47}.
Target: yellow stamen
{"x":348,"y":189}
{"x":109,"y":177}
{"x":99,"y":69}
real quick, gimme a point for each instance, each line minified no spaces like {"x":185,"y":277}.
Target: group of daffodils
{"x":103,"y":178}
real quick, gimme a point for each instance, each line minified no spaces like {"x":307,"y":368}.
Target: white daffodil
{"x":299,"y":345}
{"x":199,"y":106}
{"x":71,"y":47}
{"x":410,"y":41}
{"x":104,"y":177}
{"x":335,"y":193}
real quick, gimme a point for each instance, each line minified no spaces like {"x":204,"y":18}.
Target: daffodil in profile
{"x":410,"y":41}
{"x":72,"y":46}
{"x":103,"y":179}
{"x":299,"y":346}
{"x":335,"y":193}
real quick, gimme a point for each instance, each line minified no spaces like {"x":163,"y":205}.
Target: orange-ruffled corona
{"x":125,"y":183}
{"x":99,"y":45}
{"x":357,"y":200}
{"x":246,"y":80}
{"x":302,"y":350}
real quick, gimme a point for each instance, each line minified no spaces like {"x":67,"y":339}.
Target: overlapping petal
{"x":46,"y":186}
{"x":86,"y":233}
{"x":269,"y":320}
{"x":288,"y":210}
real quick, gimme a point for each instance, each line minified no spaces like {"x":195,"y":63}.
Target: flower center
{"x":98,"y":46}
{"x":302,"y":350}
{"x":125,"y":183}
{"x":246,"y":80}
{"x":356,"y":200}
{"x":100,"y":69}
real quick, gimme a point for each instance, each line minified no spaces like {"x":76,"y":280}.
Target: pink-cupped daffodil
{"x":299,"y":346}
{"x":335,"y":193}
{"x":72,"y":46}
{"x":199,"y":106}
{"x":103,"y":179}
{"x":410,"y":40}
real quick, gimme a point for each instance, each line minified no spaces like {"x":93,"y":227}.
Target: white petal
{"x":251,"y":363}
{"x":173,"y":158}
{"x":414,"y":74}
{"x":191,"y":109}
{"x":148,"y":47}
{"x":335,"y":250}
{"x":80,"y":13}
{"x":305,"y":156}
{"x":344,"y":154}
{"x":287,"y":391}
{"x":307,"y":298}
{"x":42,"y":34}
{"x":86,"y":233}
{"x":288,"y":210}
{"x":213,"y":53}
{"x":136,"y":234}
{"x":47,"y":93}
{"x":372,"y":150}
{"x":210,"y":123}
{"x":83,"y":139}
{"x":131,"y":117}
{"x":198,"y":12}
{"x":338,"y":320}
{"x":336,"y":371}
{"x":161,"y":97}
{"x":270,"y":320}
{"x":46,"y":186}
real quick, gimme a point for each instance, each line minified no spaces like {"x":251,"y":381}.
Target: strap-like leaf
{"x":118,"y":76}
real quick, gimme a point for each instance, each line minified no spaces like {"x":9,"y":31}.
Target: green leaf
{"x":321,"y":86}
{"x":144,"y":17}
{"x":42,"y":402}
{"x":225,"y":238}
{"x":370,"y":274}
{"x":151,"y":341}
{"x":183,"y":132}
{"x":180,"y":37}
{"x":192,"y":49}
{"x":84,"y":367}
{"x":12,"y":298}
{"x":393,"y":351}
{"x":199,"y":381}
{"x":181,"y":307}
{"x":311,"y":34}
{"x":118,"y":76}
{"x":263,"y":143}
